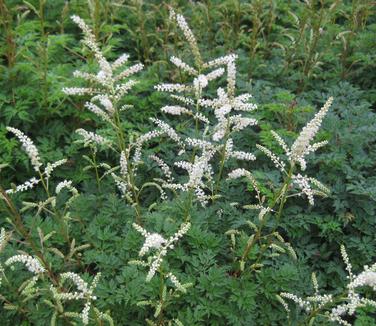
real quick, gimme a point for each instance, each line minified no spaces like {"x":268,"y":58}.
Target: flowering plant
{"x":70,"y":248}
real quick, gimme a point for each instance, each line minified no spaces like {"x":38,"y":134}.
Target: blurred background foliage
{"x":292,"y":56}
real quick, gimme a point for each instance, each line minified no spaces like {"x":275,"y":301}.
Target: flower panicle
{"x":4,"y":238}
{"x":29,"y":184}
{"x":189,"y":36}
{"x":155,"y":241}
{"x":108,"y":87}
{"x":83,"y":292}
{"x":31,"y":263}
{"x":301,"y":146}
{"x":29,"y":147}
{"x":349,"y":302}
{"x":91,"y":138}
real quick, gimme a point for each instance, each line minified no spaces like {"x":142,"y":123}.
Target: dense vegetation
{"x":236,"y":260}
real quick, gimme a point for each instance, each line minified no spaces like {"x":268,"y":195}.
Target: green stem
{"x":21,"y":229}
{"x":57,"y":215}
{"x":223,"y":158}
{"x":94,"y":155}
{"x":122,"y":147}
{"x":161,"y":287}
{"x":317,"y":311}
{"x":281,"y":198}
{"x":188,"y":206}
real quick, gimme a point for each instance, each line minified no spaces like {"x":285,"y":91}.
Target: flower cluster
{"x":214,"y":120}
{"x":189,"y":36}
{"x":297,"y":153}
{"x":161,"y":246}
{"x":109,"y":85}
{"x":67,"y":185}
{"x":33,"y":154}
{"x":350,"y":301}
{"x":29,"y":147}
{"x":91,"y":138}
{"x":152,"y":240}
{"x":354,"y":300}
{"x":50,"y":167}
{"x":301,"y":147}
{"x":29,"y":184}
{"x":181,"y":287}
{"x":31,"y":263}
{"x":107,"y":89}
{"x":84,"y":292}
{"x":4,"y":237}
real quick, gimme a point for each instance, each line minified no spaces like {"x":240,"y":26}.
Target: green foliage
{"x":293,"y":55}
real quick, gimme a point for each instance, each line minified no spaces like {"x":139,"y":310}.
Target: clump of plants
{"x":155,"y":232}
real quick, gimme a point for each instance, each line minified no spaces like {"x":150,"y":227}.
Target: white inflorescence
{"x":31,"y":263}
{"x":25,"y":186}
{"x":281,"y":142}
{"x":90,"y":42}
{"x":221,"y":61}
{"x":106,"y":102}
{"x":83,"y":292}
{"x":66,"y":184}
{"x":3,"y":239}
{"x":155,"y":240}
{"x":215,"y":74}
{"x":346,"y":260}
{"x":202,"y":144}
{"x":123,"y":164}
{"x":304,"y":304}
{"x":152,"y":240}
{"x":120,"y":184}
{"x":164,"y":167}
{"x":199,"y":116}
{"x":122,"y":89}
{"x":98,"y":111}
{"x":81,"y":285}
{"x":238,"y":173}
{"x":84,"y":75}
{"x":175,"y":109}
{"x":223,"y":105}
{"x":143,"y":139}
{"x":183,"y":66}
{"x":240,"y":122}
{"x":78,"y":91}
{"x":85,"y":313}
{"x":200,"y":82}
{"x":367,"y":277}
{"x":92,"y":138}
{"x":242,"y":156}
{"x":197,"y":171}
{"x":171,"y":88}
{"x":169,"y":131}
{"x":231,"y":75}
{"x":301,"y":146}
{"x":109,"y":85}
{"x":28,"y":146}
{"x":303,"y":183}
{"x":130,"y":71}
{"x":199,"y":168}
{"x":350,"y":302}
{"x":120,"y":61}
{"x":176,"y":283}
{"x":274,"y":158}
{"x":188,"y":35}
{"x":52,"y":166}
